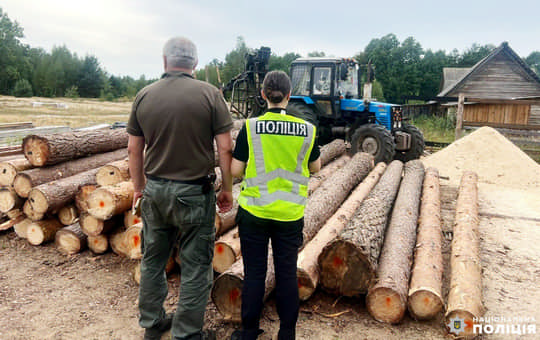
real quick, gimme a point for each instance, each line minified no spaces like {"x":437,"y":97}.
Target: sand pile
{"x":494,"y":158}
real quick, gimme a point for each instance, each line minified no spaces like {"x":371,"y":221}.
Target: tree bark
{"x":226,"y":251}
{"x":105,"y":202}
{"x":465,"y":296}
{"x":113,"y":173}
{"x":68,"y":214}
{"x":93,"y":226}
{"x":9,"y":200}
{"x":321,"y":205}
{"x":82,"y":196}
{"x":324,"y":202}
{"x":349,"y":262}
{"x":41,"y":150}
{"x":9,"y":169}
{"x":26,"y":180}
{"x":98,"y":244}
{"x":317,"y":179}
{"x":387,"y":299}
{"x":70,"y":240}
{"x":307,"y":267}
{"x":52,"y":196}
{"x":332,"y":150}
{"x":40,"y":232}
{"x":425,"y":292}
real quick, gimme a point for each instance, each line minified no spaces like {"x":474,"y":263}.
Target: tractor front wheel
{"x":375,"y":140}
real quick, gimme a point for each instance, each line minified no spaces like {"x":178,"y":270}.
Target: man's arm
{"x":135,"y":161}
{"x":224,"y":147}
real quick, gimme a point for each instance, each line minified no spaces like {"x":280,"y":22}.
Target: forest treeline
{"x":402,"y":69}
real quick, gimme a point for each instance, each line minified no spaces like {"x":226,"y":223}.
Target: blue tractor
{"x":326,"y":91}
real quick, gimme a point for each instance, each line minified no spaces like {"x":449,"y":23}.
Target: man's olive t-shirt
{"x":179,"y":116}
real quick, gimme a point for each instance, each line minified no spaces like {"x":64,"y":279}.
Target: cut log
{"x":21,"y":227}
{"x":9,"y":200}
{"x":92,"y":226}
{"x":348,"y":264}
{"x":31,"y":213}
{"x":113,"y":173}
{"x":12,"y":221}
{"x":108,"y":201}
{"x":52,"y":196}
{"x":68,"y":215}
{"x":332,"y":150}
{"x":131,"y":219}
{"x":133,"y":241}
{"x":465,"y":295}
{"x":226,"y":221}
{"x":119,"y":243}
{"x":55,"y":148}
{"x":425,"y":292}
{"x":9,"y":169}
{"x":98,"y":244}
{"x":70,"y":240}
{"x":40,"y":232}
{"x":326,"y":200}
{"x":82,"y":196}
{"x":320,"y":206}
{"x":26,"y":180}
{"x":307,"y":267}
{"x":316,"y":180}
{"x":137,"y":273}
{"x":387,"y":299}
{"x":226,"y":251}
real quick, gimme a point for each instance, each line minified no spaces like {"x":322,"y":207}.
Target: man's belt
{"x":199,"y":181}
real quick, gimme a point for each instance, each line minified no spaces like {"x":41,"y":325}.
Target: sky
{"x":127,"y":36}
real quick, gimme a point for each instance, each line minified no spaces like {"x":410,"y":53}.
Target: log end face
{"x":31,"y":213}
{"x":224,"y":257}
{"x":8,"y":200}
{"x":67,"y":243}
{"x":385,"y":305}
{"x":22,"y":185}
{"x":227,"y":296}
{"x":35,"y":235}
{"x":109,"y":175}
{"x":90,"y":225}
{"x":306,"y":287}
{"x":7,"y":174}
{"x":101,"y":204}
{"x":424,"y":305}
{"x":36,"y":150}
{"x":38,"y":201}
{"x":98,"y":244}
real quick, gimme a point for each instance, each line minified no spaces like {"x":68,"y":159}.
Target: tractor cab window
{"x":322,"y":81}
{"x":348,"y":86}
{"x":300,"y":76}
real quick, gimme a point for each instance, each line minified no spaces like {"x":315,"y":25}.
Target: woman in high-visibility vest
{"x":275,"y":153}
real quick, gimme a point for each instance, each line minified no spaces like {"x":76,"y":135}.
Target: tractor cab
{"x":324,"y":81}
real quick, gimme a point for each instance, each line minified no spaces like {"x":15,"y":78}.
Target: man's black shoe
{"x":155,"y":333}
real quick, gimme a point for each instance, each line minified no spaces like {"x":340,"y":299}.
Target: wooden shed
{"x":501,"y":90}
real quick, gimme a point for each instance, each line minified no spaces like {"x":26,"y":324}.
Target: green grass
{"x":436,"y":129}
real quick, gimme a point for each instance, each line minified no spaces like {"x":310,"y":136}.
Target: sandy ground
{"x":45,"y":295}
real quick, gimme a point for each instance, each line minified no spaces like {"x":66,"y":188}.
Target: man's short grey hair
{"x":180,"y":52}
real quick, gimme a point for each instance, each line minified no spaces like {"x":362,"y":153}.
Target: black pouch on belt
{"x":208,"y":183}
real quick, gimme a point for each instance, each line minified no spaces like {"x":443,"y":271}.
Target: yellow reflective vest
{"x":276,"y":180}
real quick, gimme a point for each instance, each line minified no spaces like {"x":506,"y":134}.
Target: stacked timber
{"x":332,"y":150}
{"x":113,"y":173}
{"x":10,"y":168}
{"x":387,"y":298}
{"x":70,"y":240}
{"x":226,"y":251}
{"x":465,"y":296}
{"x":317,"y":179}
{"x":226,"y":292}
{"x":348,"y":263}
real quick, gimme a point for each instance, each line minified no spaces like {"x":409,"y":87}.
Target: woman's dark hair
{"x":276,"y":86}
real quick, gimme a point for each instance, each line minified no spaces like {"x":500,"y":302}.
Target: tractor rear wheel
{"x":375,"y":140}
{"x":302,"y":111}
{"x":417,"y":144}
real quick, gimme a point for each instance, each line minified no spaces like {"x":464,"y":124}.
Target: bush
{"x":72,"y":92}
{"x":22,"y":88}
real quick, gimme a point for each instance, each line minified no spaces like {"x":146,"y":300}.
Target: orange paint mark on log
{"x":234,"y":294}
{"x":426,"y":301}
{"x":102,"y":204}
{"x":337,"y":261}
{"x":136,"y":220}
{"x":219,"y":249}
{"x":96,"y":241}
{"x":388,"y":302}
{"x":136,"y":240}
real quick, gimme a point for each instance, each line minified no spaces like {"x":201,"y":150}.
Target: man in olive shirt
{"x":177,"y":118}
